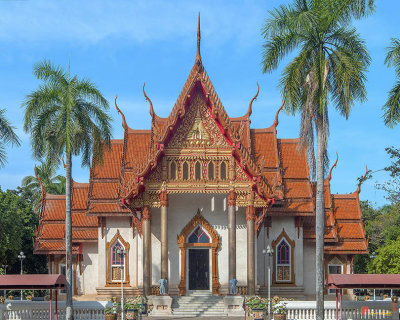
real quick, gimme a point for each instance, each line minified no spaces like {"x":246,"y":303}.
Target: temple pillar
{"x":251,"y":270}
{"x":232,"y":234}
{"x":146,"y":220}
{"x":164,"y":234}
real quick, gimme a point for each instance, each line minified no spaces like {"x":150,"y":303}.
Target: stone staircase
{"x":198,"y":304}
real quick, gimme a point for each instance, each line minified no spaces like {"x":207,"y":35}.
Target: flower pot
{"x":111,"y":316}
{"x":279,"y":316}
{"x":131,"y":314}
{"x":257,"y":314}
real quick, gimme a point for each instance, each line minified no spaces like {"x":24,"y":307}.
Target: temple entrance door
{"x":199,"y":269}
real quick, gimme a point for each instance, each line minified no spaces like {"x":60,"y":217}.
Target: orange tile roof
{"x":53,"y":247}
{"x":294,"y":162}
{"x":111,"y":166}
{"x":264,"y":145}
{"x":107,"y":207}
{"x":104,"y":190}
{"x":138,"y":147}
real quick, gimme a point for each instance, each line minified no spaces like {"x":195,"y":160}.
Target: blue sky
{"x":121,"y":44}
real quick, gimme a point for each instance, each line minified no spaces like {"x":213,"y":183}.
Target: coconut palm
{"x":392,"y":105}
{"x":52,"y":183}
{"x":7,"y":136}
{"x":66,"y":116}
{"x":329,"y":67}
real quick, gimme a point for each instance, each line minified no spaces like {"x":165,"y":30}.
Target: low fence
{"x":297,"y":310}
{"x":24,"y":310}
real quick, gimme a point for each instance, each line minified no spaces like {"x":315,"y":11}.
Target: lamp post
{"x":121,"y":252}
{"x":21,"y":258}
{"x":373,"y":256}
{"x":4,"y":266}
{"x":269,"y":252}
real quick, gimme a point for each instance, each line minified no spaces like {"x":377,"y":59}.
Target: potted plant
{"x":280,"y":311}
{"x":132,"y":307}
{"x":110,"y":313}
{"x":256,"y":307}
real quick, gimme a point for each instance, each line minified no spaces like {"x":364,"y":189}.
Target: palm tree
{"x":7,"y":135}
{"x":392,"y":105}
{"x":66,"y":116}
{"x":52,"y":183}
{"x":329,"y":67}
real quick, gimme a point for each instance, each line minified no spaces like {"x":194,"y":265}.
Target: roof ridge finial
{"x":198,"y":54}
{"x":249,"y":111}
{"x":40,"y":181}
{"x":362,"y":180}
{"x":124,"y":125}
{"x":152,"y":113}
{"x":334,"y":165}
{"x":276,"y":121}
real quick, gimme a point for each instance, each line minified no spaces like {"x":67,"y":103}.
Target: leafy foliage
{"x":387,"y":259}
{"x":17,"y":223}
{"x":392,"y":187}
{"x":7,"y":136}
{"x":330,"y":64}
{"x":392,"y":106}
{"x":52,"y":183}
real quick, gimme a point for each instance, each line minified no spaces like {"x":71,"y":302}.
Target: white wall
{"x":87,"y":282}
{"x":309,"y":268}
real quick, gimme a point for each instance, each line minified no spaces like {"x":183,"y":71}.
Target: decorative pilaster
{"x":146,"y":218}
{"x":232,"y":233}
{"x":164,"y":234}
{"x":250,"y":218}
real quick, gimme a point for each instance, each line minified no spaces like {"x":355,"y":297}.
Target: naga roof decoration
{"x":199,"y":129}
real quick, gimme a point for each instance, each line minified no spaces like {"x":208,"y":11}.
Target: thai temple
{"x":195,"y":199}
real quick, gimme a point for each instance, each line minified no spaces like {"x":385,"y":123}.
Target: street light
{"x":373,"y":256}
{"x":269,"y":252}
{"x":121,"y":251}
{"x":21,"y":258}
{"x":4,"y":266}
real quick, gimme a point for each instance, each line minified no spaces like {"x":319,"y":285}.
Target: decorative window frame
{"x":220,"y":171}
{"x":109,"y":281}
{"x":291,"y":243}
{"x":183,"y":170}
{"x":170,"y":170}
{"x":200,"y":171}
{"x":214,"y":173}
{"x":328,"y":262}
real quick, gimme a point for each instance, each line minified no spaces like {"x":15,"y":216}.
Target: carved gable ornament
{"x":198,"y":128}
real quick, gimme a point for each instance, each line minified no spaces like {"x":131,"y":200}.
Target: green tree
{"x":387,"y":259}
{"x":330,"y":66}
{"x":7,"y":136}
{"x":65,"y":117}
{"x":392,"y":106}
{"x":392,"y":186}
{"x":52,"y":183}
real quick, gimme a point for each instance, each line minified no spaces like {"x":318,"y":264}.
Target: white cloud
{"x":92,"y":21}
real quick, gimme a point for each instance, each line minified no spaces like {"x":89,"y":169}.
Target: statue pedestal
{"x":233,"y":306}
{"x":162,"y":306}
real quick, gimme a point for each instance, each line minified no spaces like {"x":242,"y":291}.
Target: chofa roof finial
{"x":249,"y":111}
{"x":124,"y":125}
{"x":334,"y":165}
{"x":362,"y":180}
{"x":152,"y":113}
{"x":198,"y":55}
{"x":40,"y":181}
{"x":276,"y":121}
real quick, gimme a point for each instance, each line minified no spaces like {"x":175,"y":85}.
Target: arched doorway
{"x":198,"y":243}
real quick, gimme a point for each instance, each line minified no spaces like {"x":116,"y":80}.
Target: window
{"x":283,"y":261}
{"x":117,"y":262}
{"x":223,"y":171}
{"x":211,"y":171}
{"x":172,"y":171}
{"x":197,"y":171}
{"x":335,"y":267}
{"x":185,"y":171}
{"x":199,"y":236}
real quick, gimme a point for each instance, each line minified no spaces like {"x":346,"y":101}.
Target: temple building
{"x":195,"y":200}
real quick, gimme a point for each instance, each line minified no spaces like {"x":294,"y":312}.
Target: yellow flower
{"x":275,"y":299}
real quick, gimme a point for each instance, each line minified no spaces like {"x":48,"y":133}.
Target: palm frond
{"x":392,"y":106}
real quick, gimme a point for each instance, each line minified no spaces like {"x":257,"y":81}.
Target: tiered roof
{"x":278,"y":168}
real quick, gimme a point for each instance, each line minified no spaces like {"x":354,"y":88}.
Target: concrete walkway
{"x":189,"y":318}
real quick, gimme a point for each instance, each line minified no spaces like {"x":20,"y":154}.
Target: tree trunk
{"x":68,"y":238}
{"x":319,"y":227}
